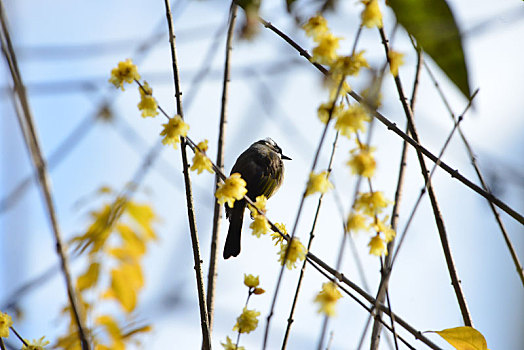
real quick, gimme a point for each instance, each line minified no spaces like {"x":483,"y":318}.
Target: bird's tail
{"x":232,"y":246}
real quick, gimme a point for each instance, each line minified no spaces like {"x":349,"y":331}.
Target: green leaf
{"x":432,"y":24}
{"x":464,"y":338}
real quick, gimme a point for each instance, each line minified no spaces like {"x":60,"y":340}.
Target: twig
{"x":206,"y":338}
{"x":377,"y":326}
{"x":433,"y":199}
{"x":393,"y":127}
{"x":471,"y":154}
{"x":217,"y":212}
{"x":25,"y":120}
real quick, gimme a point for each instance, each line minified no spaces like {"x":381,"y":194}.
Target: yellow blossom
{"x":377,"y":246}
{"x":349,"y":65}
{"x":356,"y":222}
{"x":396,"y":59}
{"x":332,"y":82}
{"x":5,"y":323}
{"x":175,"y":128}
{"x":371,"y":203}
{"x":147,"y":103}
{"x":126,"y":71}
{"x":247,"y":321}
{"x":200,"y":161}
{"x":260,"y":226}
{"x":297,"y":252}
{"x":318,"y":183}
{"x":260,"y":203}
{"x":371,"y":15}
{"x":251,"y":281}
{"x":326,"y":50}
{"x":234,"y":188}
{"x":352,"y":119}
{"x":362,"y":162}
{"x":315,"y":27}
{"x":258,"y":291}
{"x":382,"y":226}
{"x":275,"y":236}
{"x":229,"y":345}
{"x":323,"y":111}
{"x":327,"y":298}
{"x":36,"y":344}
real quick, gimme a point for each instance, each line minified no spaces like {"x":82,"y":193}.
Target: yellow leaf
{"x":464,"y":338}
{"x":144,"y":216}
{"x":121,"y":290}
{"x":110,"y":325}
{"x":89,"y":278}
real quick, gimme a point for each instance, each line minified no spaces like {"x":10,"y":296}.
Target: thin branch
{"x":27,"y":126}
{"x":217,"y":212}
{"x":393,"y":127}
{"x":472,"y":157}
{"x":206,"y":338}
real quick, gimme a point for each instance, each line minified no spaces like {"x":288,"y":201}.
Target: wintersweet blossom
{"x":315,"y":27}
{"x":229,"y":345}
{"x":275,"y":236}
{"x":200,"y":161}
{"x":377,"y":246}
{"x":396,"y":59}
{"x":260,"y":204}
{"x":147,"y":104}
{"x":297,"y":252}
{"x":125,"y":72}
{"x":371,"y":203}
{"x":251,"y":281}
{"x":351,"y":120}
{"x":260,"y":226}
{"x":247,"y":321}
{"x":371,"y":15}
{"x":326,"y":50}
{"x":318,"y":183}
{"x":5,"y":323}
{"x":173,"y":129}
{"x":385,"y":228}
{"x":233,"y":188}
{"x":362,"y":162}
{"x":327,"y":298}
{"x":36,"y":344}
{"x":349,"y":65}
{"x":356,"y":222}
{"x":324,"y":109}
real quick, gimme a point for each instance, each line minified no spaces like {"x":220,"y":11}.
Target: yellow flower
{"x":247,"y":321}
{"x":385,"y":228}
{"x":371,"y":203}
{"x":349,"y":65}
{"x":371,"y":16}
{"x":396,"y":59}
{"x":251,"y":281}
{"x":327,"y":298}
{"x":377,"y":246}
{"x":356,"y":222}
{"x":260,"y":226}
{"x":362,"y":162}
{"x":332,"y":82}
{"x":175,"y":128}
{"x":5,"y":323}
{"x":297,"y":251}
{"x":325,"y":51}
{"x":126,"y":71}
{"x":200,"y":161}
{"x":147,"y":103}
{"x":260,"y":203}
{"x":234,"y":188}
{"x":316,"y":27}
{"x":229,"y":345}
{"x":318,"y":183}
{"x":36,"y":344}
{"x":275,"y":236}
{"x":352,"y":119}
{"x":323,"y":111}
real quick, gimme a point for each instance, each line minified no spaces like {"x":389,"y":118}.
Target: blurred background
{"x":66,"y":51}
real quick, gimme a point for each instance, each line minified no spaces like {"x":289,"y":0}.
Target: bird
{"x":262,"y":168}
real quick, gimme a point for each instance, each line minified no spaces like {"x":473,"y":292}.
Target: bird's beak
{"x":285,"y":157}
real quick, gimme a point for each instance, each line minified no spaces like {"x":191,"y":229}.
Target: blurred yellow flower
{"x":147,"y":103}
{"x":175,"y":128}
{"x":247,"y":321}
{"x":385,"y":228}
{"x":297,"y":252}
{"x":349,"y":65}
{"x":377,"y":246}
{"x":323,"y":111}
{"x":326,"y":50}
{"x":371,"y":203}
{"x":126,"y":71}
{"x":200,"y":161}
{"x":36,"y":344}
{"x":275,"y":236}
{"x":318,"y":183}
{"x":396,"y":59}
{"x":356,"y":222}
{"x":327,"y":298}
{"x":234,"y":188}
{"x":229,"y":345}
{"x":362,"y":162}
{"x":352,"y":119}
{"x":315,"y":27}
{"x":5,"y":323}
{"x":371,"y":15}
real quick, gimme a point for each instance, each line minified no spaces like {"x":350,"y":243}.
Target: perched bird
{"x":262,"y":168}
